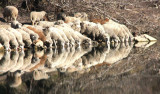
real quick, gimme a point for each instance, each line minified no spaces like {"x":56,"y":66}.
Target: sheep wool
{"x":37,"y":16}
{"x":10,"y":11}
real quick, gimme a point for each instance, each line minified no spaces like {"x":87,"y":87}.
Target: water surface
{"x":120,"y":68}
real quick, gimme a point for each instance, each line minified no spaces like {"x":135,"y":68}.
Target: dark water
{"x":117,"y":69}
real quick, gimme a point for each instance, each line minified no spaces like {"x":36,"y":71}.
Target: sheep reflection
{"x":40,"y":63}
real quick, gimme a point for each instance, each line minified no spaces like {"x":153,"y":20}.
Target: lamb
{"x":38,"y":16}
{"x":10,"y":11}
{"x":18,"y":36}
{"x":12,"y":39}
{"x":26,"y":38}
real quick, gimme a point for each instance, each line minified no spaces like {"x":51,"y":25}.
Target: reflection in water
{"x":22,"y":67}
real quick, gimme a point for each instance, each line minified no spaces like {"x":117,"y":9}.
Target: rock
{"x":144,"y":44}
{"x":144,"y":38}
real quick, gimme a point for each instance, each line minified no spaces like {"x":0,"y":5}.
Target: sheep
{"x":45,"y":23}
{"x":10,"y":11}
{"x":83,"y":39}
{"x":94,"y":31}
{"x":67,"y":33}
{"x":55,"y":36}
{"x":18,"y":36}
{"x":26,"y":38}
{"x":4,"y":40}
{"x":128,"y":32}
{"x":68,"y":30}
{"x":34,"y":36}
{"x":68,"y":19}
{"x":75,"y":25}
{"x":12,"y":39}
{"x":42,"y":33}
{"x":38,"y":16}
{"x":82,"y":15}
{"x":15,"y":24}
{"x":42,"y":36}
{"x":112,"y":29}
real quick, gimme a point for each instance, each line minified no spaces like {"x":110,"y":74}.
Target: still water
{"x":116,"y":69}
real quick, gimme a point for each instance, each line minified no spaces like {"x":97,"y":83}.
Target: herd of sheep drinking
{"x":66,"y":34}
{"x":69,"y":32}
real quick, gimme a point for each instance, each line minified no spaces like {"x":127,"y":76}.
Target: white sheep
{"x":45,"y":23}
{"x":38,"y":16}
{"x":18,"y":36}
{"x":55,"y":36}
{"x":83,"y":39}
{"x":94,"y":31}
{"x":70,"y":32}
{"x":63,"y":35}
{"x":4,"y":40}
{"x":115,"y":30}
{"x":12,"y":38}
{"x":10,"y":11}
{"x":67,"y":33}
{"x":26,"y":38}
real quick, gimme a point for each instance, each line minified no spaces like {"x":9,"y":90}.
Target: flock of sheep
{"x":69,"y":32}
{"x":64,"y":35}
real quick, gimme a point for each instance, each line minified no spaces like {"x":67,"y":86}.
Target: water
{"x":120,"y":68}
